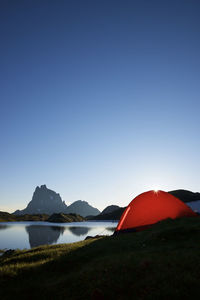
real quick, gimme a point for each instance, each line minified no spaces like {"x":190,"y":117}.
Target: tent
{"x":149,"y":208}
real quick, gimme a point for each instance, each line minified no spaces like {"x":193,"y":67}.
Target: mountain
{"x":185,"y":196}
{"x":114,"y":215}
{"x":46,"y":201}
{"x":109,"y":209}
{"x":82,"y":208}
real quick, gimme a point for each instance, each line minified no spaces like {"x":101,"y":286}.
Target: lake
{"x":26,"y":235}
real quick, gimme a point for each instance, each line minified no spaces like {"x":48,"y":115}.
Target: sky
{"x":99,"y":100}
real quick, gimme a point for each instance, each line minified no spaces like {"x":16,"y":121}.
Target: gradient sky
{"x":99,"y":99}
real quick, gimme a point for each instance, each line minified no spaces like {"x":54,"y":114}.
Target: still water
{"x":26,"y":235}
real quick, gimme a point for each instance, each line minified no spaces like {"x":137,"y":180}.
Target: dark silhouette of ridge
{"x":46,"y":201}
{"x":109,"y":209}
{"x":82,"y":208}
{"x":185,"y":195}
{"x":115,"y":215}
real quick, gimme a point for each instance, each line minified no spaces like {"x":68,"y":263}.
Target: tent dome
{"x":149,"y":208}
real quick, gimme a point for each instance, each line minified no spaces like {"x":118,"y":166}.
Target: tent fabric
{"x":149,"y":208}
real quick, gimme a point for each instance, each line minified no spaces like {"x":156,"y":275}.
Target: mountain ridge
{"x":47,"y":201}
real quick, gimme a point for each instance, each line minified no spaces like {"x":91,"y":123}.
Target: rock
{"x":44,"y":201}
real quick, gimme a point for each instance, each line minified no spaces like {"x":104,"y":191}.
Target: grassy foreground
{"x":162,"y":262}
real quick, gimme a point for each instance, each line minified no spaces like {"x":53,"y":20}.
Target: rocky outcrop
{"x":44,"y":201}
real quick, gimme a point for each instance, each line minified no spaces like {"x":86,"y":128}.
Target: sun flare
{"x":155,"y":189}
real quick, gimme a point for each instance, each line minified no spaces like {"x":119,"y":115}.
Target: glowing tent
{"x":149,"y":208}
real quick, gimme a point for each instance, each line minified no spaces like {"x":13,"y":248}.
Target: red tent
{"x":149,"y":208}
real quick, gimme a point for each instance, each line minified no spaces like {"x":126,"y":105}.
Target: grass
{"x":162,"y":262}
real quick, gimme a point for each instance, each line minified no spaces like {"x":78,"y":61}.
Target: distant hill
{"x":185,"y":196}
{"x":46,"y":201}
{"x":109,"y":209}
{"x":64,"y":218}
{"x":82,"y":208}
{"x":56,"y":218}
{"x":6,"y":217}
{"x":115,"y":215}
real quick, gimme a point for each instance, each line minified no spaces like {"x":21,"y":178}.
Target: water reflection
{"x":3,"y":227}
{"x":26,"y":235}
{"x":79,"y":230}
{"x":43,"y":235}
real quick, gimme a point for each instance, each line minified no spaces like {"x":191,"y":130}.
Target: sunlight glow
{"x":155,"y":189}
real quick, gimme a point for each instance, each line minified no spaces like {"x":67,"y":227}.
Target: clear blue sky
{"x":100,"y":100}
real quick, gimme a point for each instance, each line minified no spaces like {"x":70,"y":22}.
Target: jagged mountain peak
{"x":47,"y":201}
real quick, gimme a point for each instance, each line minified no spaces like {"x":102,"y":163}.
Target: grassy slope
{"x":160,"y":263}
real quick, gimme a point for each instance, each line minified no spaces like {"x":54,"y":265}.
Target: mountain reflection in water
{"x":47,"y":235}
{"x":3,"y":227}
{"x":43,"y":235}
{"x":79,"y":230}
{"x":29,"y":234}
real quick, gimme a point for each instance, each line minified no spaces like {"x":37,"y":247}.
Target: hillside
{"x":185,"y":196}
{"x":162,"y":262}
{"x":6,"y":217}
{"x":55,"y":218}
{"x":82,"y":208}
{"x":109,"y":209}
{"x":65,"y":218}
{"x":115,"y":215}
